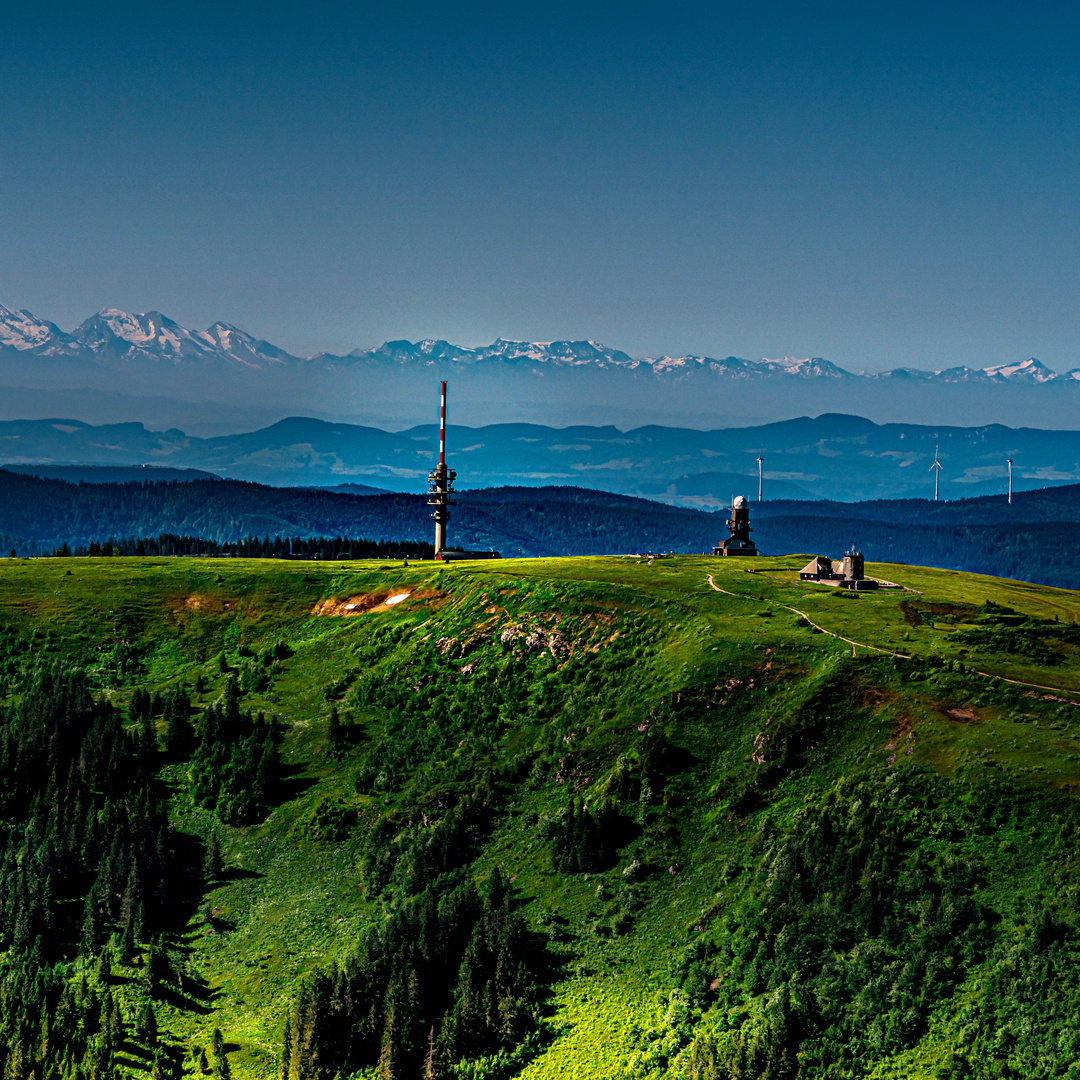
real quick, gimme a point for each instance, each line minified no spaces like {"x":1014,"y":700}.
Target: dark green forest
{"x":1032,"y":540}
{"x":94,"y":875}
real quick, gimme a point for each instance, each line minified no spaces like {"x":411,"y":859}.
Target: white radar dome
{"x":739,"y":502}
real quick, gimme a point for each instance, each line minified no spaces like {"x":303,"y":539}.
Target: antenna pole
{"x":441,"y":483}
{"x":759,"y":478}
{"x":442,"y":426}
{"x":1010,"y":481}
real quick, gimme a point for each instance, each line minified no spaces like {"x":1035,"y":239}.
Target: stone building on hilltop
{"x":848,"y":572}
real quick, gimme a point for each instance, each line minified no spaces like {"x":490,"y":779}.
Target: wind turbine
{"x":937,"y":475}
{"x":1010,"y":481}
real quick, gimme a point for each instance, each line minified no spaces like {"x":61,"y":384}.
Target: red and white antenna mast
{"x":442,"y":426}
{"x":441,"y":483}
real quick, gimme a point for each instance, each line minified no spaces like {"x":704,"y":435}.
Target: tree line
{"x":251,"y":547}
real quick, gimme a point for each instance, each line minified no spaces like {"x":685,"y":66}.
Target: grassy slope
{"x":294,"y":903}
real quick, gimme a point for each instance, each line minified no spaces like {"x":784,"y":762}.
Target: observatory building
{"x":739,"y":542}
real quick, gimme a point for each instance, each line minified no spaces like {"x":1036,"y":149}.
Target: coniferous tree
{"x":103,"y":968}
{"x":179,"y":735}
{"x":162,"y":1067}
{"x":146,"y":1029}
{"x":91,"y":926}
{"x":148,"y":731}
{"x":431,"y":1060}
{"x":335,"y":737}
{"x":212,"y":863}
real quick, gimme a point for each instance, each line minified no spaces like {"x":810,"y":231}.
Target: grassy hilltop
{"x":695,"y":822}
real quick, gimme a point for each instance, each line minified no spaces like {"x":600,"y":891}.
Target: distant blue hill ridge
{"x":835,"y":456}
{"x":114,"y":474}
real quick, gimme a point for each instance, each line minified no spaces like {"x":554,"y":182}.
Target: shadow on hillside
{"x":239,"y":873}
{"x":228,"y":876}
{"x":550,"y":967}
{"x":184,"y":886}
{"x":221,"y":926}
{"x":112,"y":979}
{"x":191,"y":999}
{"x":131,"y":1062}
{"x":290,"y":784}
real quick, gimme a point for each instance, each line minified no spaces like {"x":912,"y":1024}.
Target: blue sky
{"x":882,"y":185}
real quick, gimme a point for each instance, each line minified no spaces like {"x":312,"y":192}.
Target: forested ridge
{"x":38,"y":516}
{"x":590,"y":817}
{"x":1032,"y":540}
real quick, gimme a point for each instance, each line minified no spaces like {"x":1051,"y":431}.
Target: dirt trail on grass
{"x":889,"y":652}
{"x":821,"y":629}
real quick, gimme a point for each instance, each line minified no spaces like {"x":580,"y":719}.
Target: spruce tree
{"x":179,"y":735}
{"x":334,"y":738}
{"x":212,"y":863}
{"x":148,"y":732}
{"x":431,"y":1064}
{"x":146,"y":1029}
{"x":162,"y":1067}
{"x":130,"y":899}
{"x":91,"y":926}
{"x":104,"y":966}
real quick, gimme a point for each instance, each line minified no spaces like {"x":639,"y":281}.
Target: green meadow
{"x":739,"y":825}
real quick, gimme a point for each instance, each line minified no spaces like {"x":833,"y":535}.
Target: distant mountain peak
{"x":142,"y":332}
{"x":813,"y":367}
{"x":1022,"y":371}
{"x":116,"y":337}
{"x":1031,"y":370}
{"x":113,"y":334}
{"x":22,"y":331}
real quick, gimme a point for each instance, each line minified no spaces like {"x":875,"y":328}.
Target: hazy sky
{"x":879,"y":184}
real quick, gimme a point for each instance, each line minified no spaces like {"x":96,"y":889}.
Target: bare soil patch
{"x":363,"y":603}
{"x":961,"y":716}
{"x":199,"y":602}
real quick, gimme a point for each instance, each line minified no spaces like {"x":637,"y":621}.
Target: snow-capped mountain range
{"x":117,"y":337}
